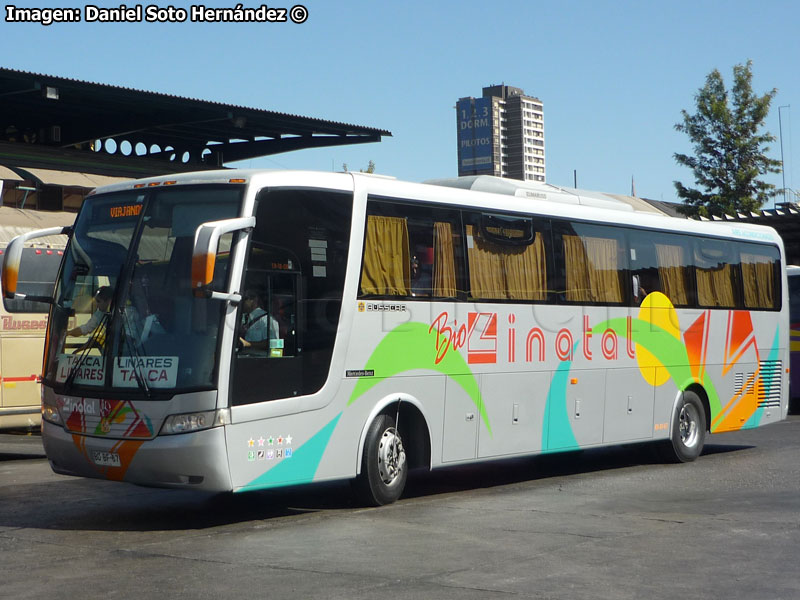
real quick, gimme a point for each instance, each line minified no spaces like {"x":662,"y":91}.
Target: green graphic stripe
{"x":669,"y":350}
{"x":412,"y":346}
{"x":301,"y":466}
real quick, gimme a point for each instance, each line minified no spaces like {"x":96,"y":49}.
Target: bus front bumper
{"x":195,"y":460}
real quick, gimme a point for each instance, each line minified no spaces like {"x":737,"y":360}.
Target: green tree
{"x":729,"y":150}
{"x":370,"y":168}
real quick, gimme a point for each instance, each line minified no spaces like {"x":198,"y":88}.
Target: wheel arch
{"x":701,"y":393}
{"x":414,"y":428}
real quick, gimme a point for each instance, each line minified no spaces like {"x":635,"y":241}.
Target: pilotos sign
{"x":474,"y":135}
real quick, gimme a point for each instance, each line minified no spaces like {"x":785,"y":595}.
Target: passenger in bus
{"x":639,"y":291}
{"x":421,"y":276}
{"x":644,"y":283}
{"x":258,"y":327}
{"x":102,"y":298}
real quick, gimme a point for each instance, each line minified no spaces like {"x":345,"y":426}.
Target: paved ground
{"x":600,"y":524}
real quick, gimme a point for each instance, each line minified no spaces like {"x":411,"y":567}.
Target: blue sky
{"x":613,"y":75}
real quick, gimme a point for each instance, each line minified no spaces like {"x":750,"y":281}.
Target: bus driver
{"x":258,"y":327}
{"x":102,"y":298}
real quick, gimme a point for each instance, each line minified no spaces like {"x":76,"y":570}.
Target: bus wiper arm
{"x":84,"y":351}
{"x":127,"y":335}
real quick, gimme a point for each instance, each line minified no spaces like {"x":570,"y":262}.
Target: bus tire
{"x":384,"y":468}
{"x":688,"y":430}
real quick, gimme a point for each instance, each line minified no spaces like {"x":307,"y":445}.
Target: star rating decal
{"x":284,"y":452}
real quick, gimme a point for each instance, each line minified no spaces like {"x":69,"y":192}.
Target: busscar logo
{"x":382,"y":307}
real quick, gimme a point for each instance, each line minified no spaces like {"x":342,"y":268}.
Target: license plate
{"x":106,"y":459}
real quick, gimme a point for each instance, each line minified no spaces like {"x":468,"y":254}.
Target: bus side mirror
{"x":13,"y":257}
{"x":204,"y":254}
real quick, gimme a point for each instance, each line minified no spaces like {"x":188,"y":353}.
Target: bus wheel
{"x":688,"y":430}
{"x":384,"y":469}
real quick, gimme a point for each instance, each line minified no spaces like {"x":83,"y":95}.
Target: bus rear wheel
{"x":688,"y":430}
{"x":384,"y":468}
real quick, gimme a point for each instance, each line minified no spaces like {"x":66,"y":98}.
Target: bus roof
{"x":16,"y":221}
{"x":489,"y":193}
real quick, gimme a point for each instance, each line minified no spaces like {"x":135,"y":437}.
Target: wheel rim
{"x":688,"y":425}
{"x":391,"y":456}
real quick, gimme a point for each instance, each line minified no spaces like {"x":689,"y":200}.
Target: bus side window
{"x":296,"y":269}
{"x":759,"y":276}
{"x":508,"y":257}
{"x":661,"y":262}
{"x":410,"y":252}
{"x":595,"y":263}
{"x":717,"y":272}
{"x":644,"y":268}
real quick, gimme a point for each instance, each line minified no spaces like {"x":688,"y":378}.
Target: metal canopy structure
{"x":62,"y":124}
{"x":784,"y":218}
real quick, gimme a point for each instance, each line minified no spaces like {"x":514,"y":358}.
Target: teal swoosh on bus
{"x":670,"y":351}
{"x":409,"y":347}
{"x":300,"y":467}
{"x":557,"y":434}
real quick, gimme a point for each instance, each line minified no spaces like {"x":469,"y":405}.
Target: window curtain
{"x":592,"y":269}
{"x":603,"y":269}
{"x":485,"y":268}
{"x":715,"y":286}
{"x":578,"y":289}
{"x":526,"y":271}
{"x":758,"y":282}
{"x":672,"y":273}
{"x":444,"y":261}
{"x":506,"y":272}
{"x":387,"y":265}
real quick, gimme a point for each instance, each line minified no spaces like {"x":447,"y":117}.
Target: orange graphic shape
{"x":741,"y":407}
{"x":696,"y":340}
{"x":738,"y":338}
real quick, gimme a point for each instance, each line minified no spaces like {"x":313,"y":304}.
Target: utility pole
{"x":780,"y":129}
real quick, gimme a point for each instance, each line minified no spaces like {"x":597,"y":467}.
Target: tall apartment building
{"x":501,"y":134}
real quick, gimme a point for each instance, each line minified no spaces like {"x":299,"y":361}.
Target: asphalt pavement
{"x":600,"y":524}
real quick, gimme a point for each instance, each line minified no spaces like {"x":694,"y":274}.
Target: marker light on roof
{"x":153,"y":183}
{"x":236,"y":181}
{"x":138,"y":185}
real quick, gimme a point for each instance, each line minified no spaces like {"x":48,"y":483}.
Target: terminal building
{"x":501,"y":134}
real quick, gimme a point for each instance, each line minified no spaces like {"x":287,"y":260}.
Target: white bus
{"x":23,"y":320}
{"x":402,"y":325}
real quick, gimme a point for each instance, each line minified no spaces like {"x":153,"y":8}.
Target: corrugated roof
{"x":48,"y":121}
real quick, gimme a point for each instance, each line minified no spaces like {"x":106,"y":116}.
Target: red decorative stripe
{"x":15,"y":379}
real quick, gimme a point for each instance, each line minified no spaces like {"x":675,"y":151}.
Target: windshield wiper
{"x":127,"y":335}
{"x":102,"y":326}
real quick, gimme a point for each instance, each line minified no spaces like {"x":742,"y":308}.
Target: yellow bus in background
{"x":23,"y":321}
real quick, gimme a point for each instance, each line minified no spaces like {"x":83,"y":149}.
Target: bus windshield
{"x":124,"y":316}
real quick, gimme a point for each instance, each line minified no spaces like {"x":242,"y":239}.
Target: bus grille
{"x":769,"y":392}
{"x":113,"y":419}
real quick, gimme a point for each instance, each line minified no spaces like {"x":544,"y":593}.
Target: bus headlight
{"x":50,"y":413}
{"x":197,"y":421}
